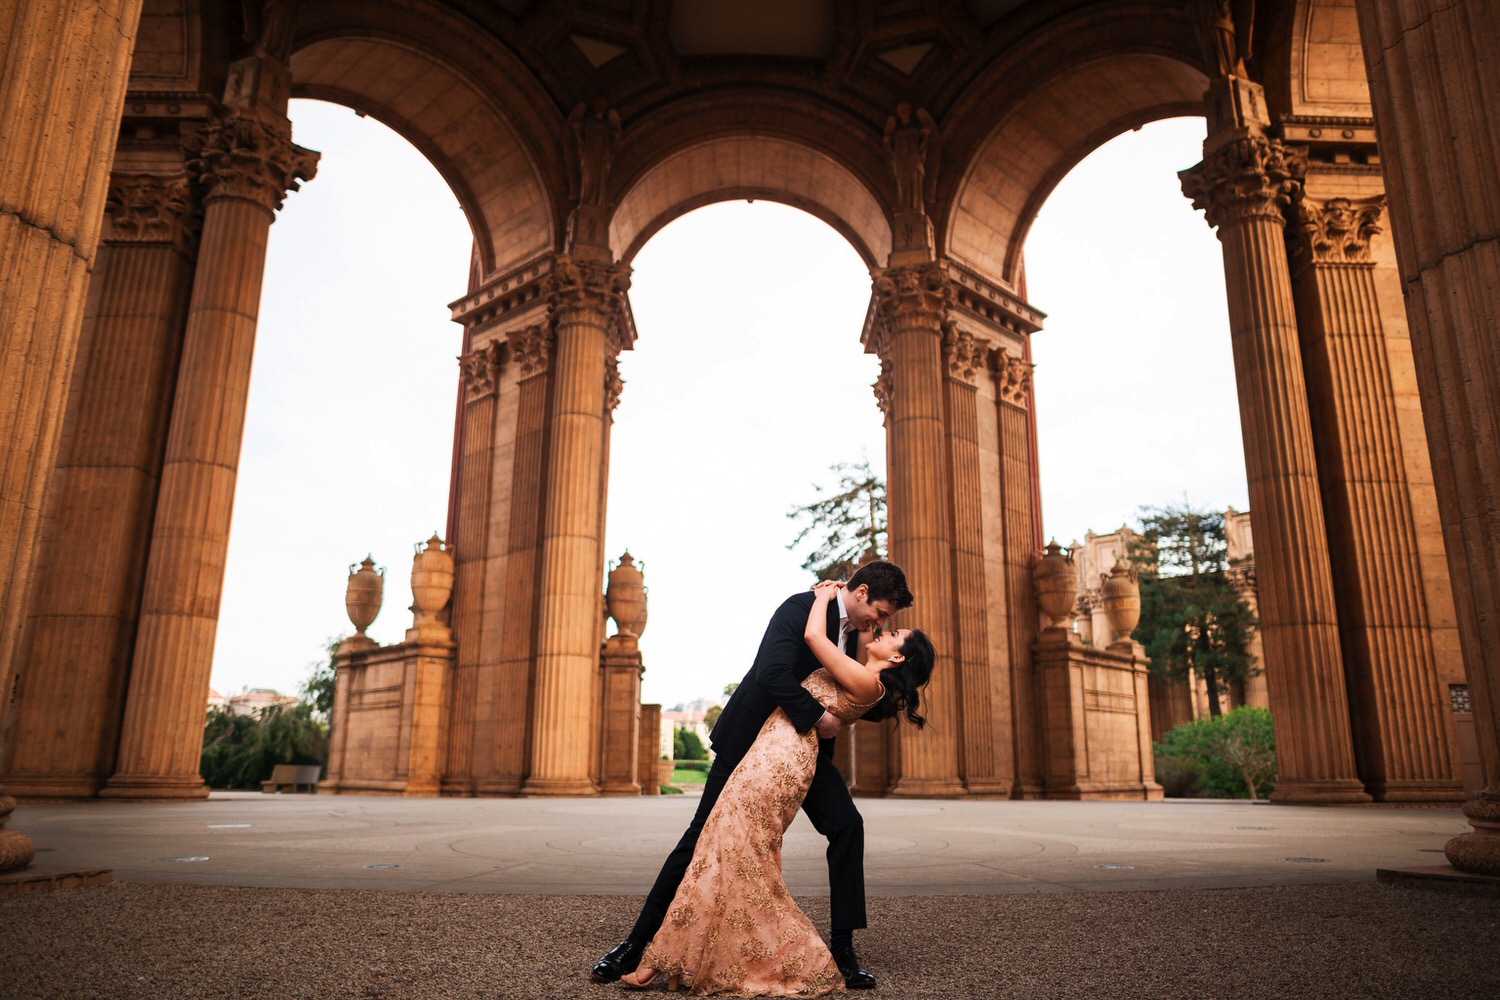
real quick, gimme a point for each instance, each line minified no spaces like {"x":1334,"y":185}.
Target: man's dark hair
{"x":886,"y":582}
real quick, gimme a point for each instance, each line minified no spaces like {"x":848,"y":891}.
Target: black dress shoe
{"x":623,"y":958}
{"x":856,"y":976}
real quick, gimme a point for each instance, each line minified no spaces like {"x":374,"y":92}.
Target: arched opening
{"x":746,"y":384}
{"x":349,"y":429}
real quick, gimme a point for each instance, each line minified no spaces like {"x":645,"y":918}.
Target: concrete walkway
{"x":613,"y":846}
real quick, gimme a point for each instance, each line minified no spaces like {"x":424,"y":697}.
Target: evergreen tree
{"x":1192,"y":618}
{"x":848,"y":522}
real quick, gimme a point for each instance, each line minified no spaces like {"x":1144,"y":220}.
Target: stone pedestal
{"x":620,"y":739}
{"x":648,"y":751}
{"x":1431,"y":76}
{"x":248,"y":163}
{"x":1242,"y":184}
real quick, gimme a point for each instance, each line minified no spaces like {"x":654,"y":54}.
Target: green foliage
{"x":848,"y":522}
{"x":687,"y":746}
{"x":711,"y":717}
{"x":240,"y":751}
{"x":1193,"y":621}
{"x":317,"y":690}
{"x":696,"y":766}
{"x":669,"y":789}
{"x":683,"y":775}
{"x":1231,"y":756}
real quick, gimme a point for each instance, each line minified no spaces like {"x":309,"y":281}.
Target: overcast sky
{"x":748,"y":382}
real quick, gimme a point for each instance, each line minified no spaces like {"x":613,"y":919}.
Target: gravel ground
{"x":136,"y":940}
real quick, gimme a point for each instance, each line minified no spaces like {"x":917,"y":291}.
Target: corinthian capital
{"x":1247,"y":177}
{"x":1013,"y":374}
{"x":250,"y":155}
{"x":885,"y":387}
{"x":579,"y":283}
{"x":481,"y":371}
{"x":918,"y":295}
{"x":531,"y":348}
{"x":151,"y":208}
{"x":963,"y":354}
{"x":1336,"y":230}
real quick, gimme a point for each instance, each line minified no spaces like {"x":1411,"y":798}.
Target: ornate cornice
{"x":531,"y":349}
{"x":962,"y":354}
{"x":1013,"y":378}
{"x":1245,"y":177}
{"x":917,"y":295}
{"x":481,"y":371}
{"x":246,"y":155}
{"x":1335,"y":230}
{"x":151,"y":208}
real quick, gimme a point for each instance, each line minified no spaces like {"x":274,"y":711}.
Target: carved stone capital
{"x":1246,"y":177}
{"x":1335,"y":230}
{"x":531,"y":349}
{"x":579,"y":283}
{"x":918,"y":295}
{"x":248,"y":155}
{"x":481,"y":370}
{"x":613,"y":384}
{"x":884,"y":387}
{"x":151,"y":208}
{"x":963,"y":355}
{"x":1013,"y":378}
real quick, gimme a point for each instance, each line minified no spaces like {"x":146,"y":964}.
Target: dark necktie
{"x":851,"y":644}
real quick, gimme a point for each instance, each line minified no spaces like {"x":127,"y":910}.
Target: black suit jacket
{"x":775,"y":680}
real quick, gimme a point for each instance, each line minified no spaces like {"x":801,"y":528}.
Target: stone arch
{"x":1044,"y":136}
{"x":751,"y":166}
{"x":480,"y":143}
{"x":1318,"y":68}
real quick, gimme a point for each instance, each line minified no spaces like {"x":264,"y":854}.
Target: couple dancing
{"x":719,"y":918}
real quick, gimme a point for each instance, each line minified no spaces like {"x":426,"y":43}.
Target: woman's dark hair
{"x":903,"y":680}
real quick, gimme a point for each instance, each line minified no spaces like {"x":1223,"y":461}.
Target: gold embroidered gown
{"x":733,"y":927}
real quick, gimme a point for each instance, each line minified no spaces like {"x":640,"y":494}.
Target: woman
{"x":732,"y":926}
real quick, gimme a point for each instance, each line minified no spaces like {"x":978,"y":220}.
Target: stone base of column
{"x":1418,"y":790}
{"x":16,"y":849}
{"x":1312,"y":793}
{"x":928,"y":788}
{"x":558,"y":787}
{"x":620,"y":788}
{"x":987,"y":788}
{"x":500,"y":787}
{"x":1029,"y":790}
{"x":29,"y":789}
{"x":459,"y":788}
{"x":1478,"y":852}
{"x":154,"y":786}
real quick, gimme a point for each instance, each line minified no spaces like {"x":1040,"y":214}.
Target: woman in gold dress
{"x":732,"y":926}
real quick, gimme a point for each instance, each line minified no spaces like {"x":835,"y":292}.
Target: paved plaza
{"x":249,"y":896}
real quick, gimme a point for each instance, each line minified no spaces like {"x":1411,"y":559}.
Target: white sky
{"x":747,"y":383}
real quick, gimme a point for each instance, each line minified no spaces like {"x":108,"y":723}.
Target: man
{"x":876,"y":591}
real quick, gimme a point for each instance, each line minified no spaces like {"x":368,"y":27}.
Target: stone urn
{"x":626,"y":596}
{"x":431,"y":580}
{"x":1121,"y":591}
{"x":363,"y":596}
{"x":1056,"y":584}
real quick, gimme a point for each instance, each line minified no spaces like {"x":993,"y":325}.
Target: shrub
{"x":687,"y":746}
{"x":240,"y":751}
{"x":1179,"y":778}
{"x":1234,"y":753}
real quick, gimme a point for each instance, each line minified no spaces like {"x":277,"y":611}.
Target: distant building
{"x":250,"y":701}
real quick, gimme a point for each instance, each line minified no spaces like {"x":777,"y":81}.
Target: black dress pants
{"x":831,"y":809}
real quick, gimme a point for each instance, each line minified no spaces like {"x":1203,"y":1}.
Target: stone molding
{"x":531,"y":347}
{"x":151,"y":209}
{"x":1335,"y":230}
{"x":250,"y":156}
{"x":917,"y":295}
{"x":481,"y":369}
{"x":1246,"y":177}
{"x":613,"y":384}
{"x":962,"y":354}
{"x":1013,"y":379}
{"x":884,"y":386}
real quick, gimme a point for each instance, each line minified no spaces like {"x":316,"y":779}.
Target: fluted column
{"x":93,"y":556}
{"x":913,"y":302}
{"x":964,"y":359}
{"x":60,"y":61}
{"x":1241,"y":184}
{"x":1401,"y":722}
{"x":1019,"y":526}
{"x":481,"y":371}
{"x":248,"y":163}
{"x":567,"y":657}
{"x":1433,"y":75}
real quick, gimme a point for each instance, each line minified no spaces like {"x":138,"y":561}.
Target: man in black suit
{"x":876,"y":591}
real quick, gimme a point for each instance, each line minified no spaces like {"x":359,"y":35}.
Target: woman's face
{"x":888,"y":644}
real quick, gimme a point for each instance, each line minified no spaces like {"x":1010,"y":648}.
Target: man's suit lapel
{"x":833,"y":622}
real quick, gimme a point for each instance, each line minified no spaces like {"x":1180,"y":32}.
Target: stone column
{"x":913,"y":301}
{"x":248,"y":163}
{"x":60,"y":61}
{"x":1432,"y":76}
{"x":621,"y":724}
{"x":964,"y":358}
{"x":1402,"y":730}
{"x":586,"y":295}
{"x":1242,"y":183}
{"x":481,"y":371}
{"x":1018,"y":520}
{"x":88,"y":578}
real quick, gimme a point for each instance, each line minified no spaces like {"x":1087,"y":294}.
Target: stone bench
{"x":301,"y":777}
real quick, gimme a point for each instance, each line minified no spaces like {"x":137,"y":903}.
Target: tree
{"x":1232,"y":755}
{"x":849,"y":522}
{"x":240,"y":751}
{"x":317,"y":690}
{"x":711,"y":716}
{"x":687,"y":746}
{"x":1193,"y":621}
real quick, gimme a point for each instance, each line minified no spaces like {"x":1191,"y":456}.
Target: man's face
{"x":864,"y":612}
